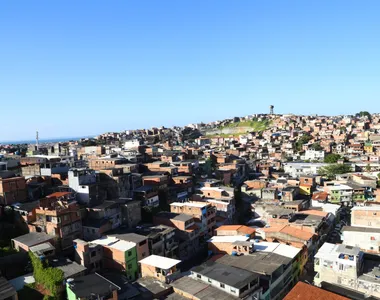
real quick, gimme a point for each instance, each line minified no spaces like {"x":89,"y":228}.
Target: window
{"x":65,"y":217}
{"x":129,"y":253}
{"x":93,"y":230}
{"x":209,"y":281}
{"x":93,"y":253}
{"x":222,"y":285}
{"x":373,"y":238}
{"x":129,"y":266}
{"x":374,"y":214}
{"x":233,"y":291}
{"x":199,"y":276}
{"x":341,"y":267}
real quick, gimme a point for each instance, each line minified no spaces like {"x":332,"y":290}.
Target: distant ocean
{"x":45,"y":141}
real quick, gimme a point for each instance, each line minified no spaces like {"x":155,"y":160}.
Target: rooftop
{"x":258,"y":262}
{"x":114,"y":243}
{"x":370,"y":208}
{"x":371,"y":268}
{"x":88,"y":285}
{"x":40,"y":248}
{"x":33,"y":238}
{"x":304,"y":291}
{"x":200,"y":290}
{"x":277,"y":248}
{"x":68,"y":267}
{"x":226,"y":274}
{"x":160,"y":262}
{"x":130,"y":237}
{"x":6,"y":289}
{"x":192,"y":204}
{"x":333,"y":251}
{"x":151,"y":286}
{"x":174,"y":216}
{"x":241,"y":228}
{"x":361,"y":229}
{"x":228,"y":238}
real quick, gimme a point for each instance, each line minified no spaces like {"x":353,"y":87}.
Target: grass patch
{"x":224,"y":135}
{"x":254,"y":124}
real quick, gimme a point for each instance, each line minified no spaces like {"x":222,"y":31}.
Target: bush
{"x":50,"y":278}
{"x":332,"y":158}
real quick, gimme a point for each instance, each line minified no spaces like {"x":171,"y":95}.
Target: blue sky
{"x":73,"y":68}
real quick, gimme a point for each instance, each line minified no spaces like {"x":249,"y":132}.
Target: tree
{"x":209,"y":166}
{"x":316,"y":147}
{"x":302,"y":140}
{"x":368,"y":168}
{"x":330,"y":171}
{"x":332,"y":158}
{"x":364,"y":114}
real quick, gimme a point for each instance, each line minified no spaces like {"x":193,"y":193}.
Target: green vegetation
{"x":5,"y":251}
{"x":48,"y":277}
{"x":223,"y":135}
{"x":316,"y":147}
{"x":364,"y":114}
{"x":255,"y":124}
{"x":209,"y":166}
{"x":368,"y":168}
{"x":332,"y":158}
{"x":332,"y":170}
{"x":302,"y":140}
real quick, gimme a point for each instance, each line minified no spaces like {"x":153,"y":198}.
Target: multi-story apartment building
{"x":161,"y":239}
{"x":59,"y":215}
{"x":101,"y":219}
{"x":119,"y":255}
{"x":365,"y":216}
{"x":187,"y":232}
{"x":314,"y":155}
{"x":12,"y":189}
{"x":106,"y":163}
{"x":339,"y":193}
{"x":148,"y":195}
{"x":204,"y":214}
{"x":88,"y":254}
{"x":163,"y":268}
{"x":347,"y":267}
{"x":233,"y":281}
{"x":86,"y":185}
{"x":366,"y":238}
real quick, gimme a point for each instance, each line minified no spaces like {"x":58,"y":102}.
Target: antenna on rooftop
{"x":37,"y":139}
{"x":271,"y":107}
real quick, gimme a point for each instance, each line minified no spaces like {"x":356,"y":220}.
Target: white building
{"x":81,"y":181}
{"x":314,"y":155}
{"x":366,"y":238}
{"x":132,"y":144}
{"x":298,"y":169}
{"x":347,"y":267}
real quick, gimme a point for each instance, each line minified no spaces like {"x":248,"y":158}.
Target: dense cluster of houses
{"x":177,"y":213}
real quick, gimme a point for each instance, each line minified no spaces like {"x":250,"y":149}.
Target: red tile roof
{"x":58,"y":194}
{"x":304,"y":291}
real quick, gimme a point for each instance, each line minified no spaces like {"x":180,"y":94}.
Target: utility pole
{"x":37,"y":140}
